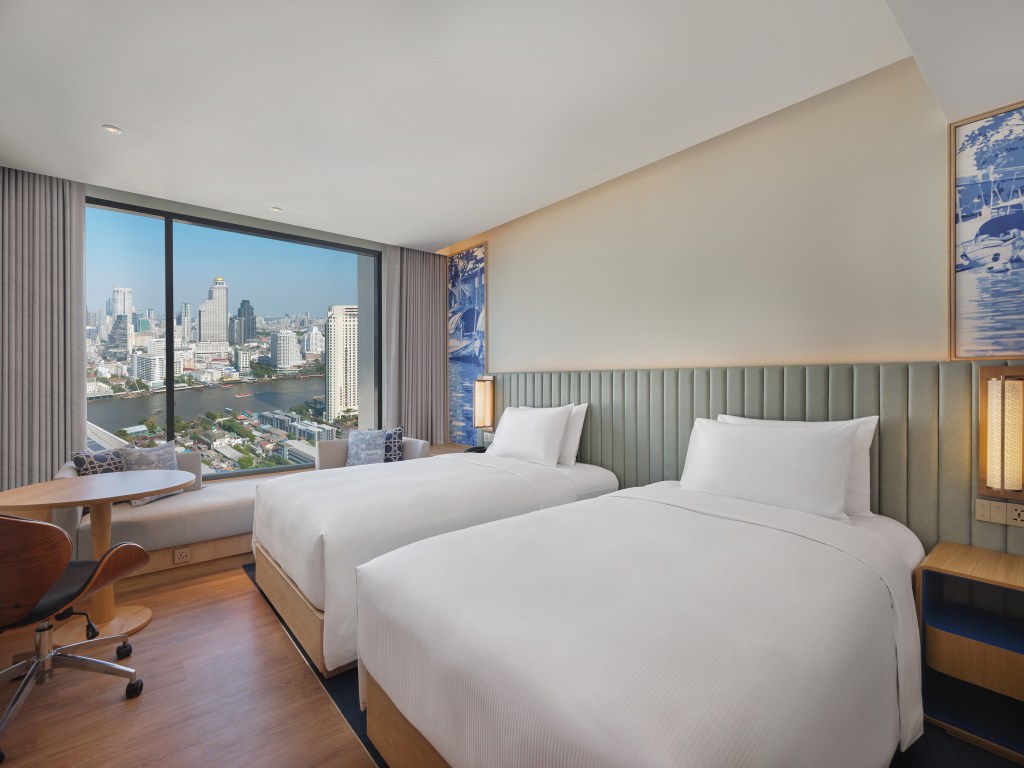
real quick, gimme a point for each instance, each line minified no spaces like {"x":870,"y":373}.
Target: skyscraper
{"x":284,"y":349}
{"x":213,"y":313}
{"x":313,"y":342}
{"x":185,"y":322}
{"x":247,"y":315}
{"x":121,"y":302}
{"x":120,"y":339}
{"x":341,"y":360}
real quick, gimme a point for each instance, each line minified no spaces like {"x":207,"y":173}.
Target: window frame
{"x":169,"y":218}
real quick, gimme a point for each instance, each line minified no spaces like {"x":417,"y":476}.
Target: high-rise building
{"x":243,"y":359}
{"x":149,"y":366}
{"x":213,"y":313}
{"x":313,"y":342}
{"x":247,"y":316}
{"x":121,"y":302}
{"x":284,"y":349}
{"x":119,"y":340}
{"x":235,"y":333}
{"x":185,"y":322}
{"x":341,"y":360}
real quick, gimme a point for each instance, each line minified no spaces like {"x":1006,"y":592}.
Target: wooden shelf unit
{"x":973,"y":659}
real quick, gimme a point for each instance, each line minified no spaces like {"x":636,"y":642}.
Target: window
{"x":262,"y":345}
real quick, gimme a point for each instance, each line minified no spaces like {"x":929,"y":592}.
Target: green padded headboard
{"x":923,"y":457}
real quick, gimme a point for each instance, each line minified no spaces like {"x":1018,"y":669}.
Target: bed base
{"x":397,"y":740}
{"x":304,"y":619}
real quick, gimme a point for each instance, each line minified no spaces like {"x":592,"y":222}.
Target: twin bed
{"x":657,"y":626}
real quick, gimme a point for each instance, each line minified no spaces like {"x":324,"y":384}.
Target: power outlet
{"x":183,"y":555}
{"x":998,"y":512}
{"x":1015,"y":515}
{"x":983,"y":510}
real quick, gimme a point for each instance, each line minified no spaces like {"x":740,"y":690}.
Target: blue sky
{"x":126,"y":250}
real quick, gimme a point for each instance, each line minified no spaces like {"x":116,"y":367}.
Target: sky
{"x":126,"y":250}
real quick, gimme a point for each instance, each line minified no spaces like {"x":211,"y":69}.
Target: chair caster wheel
{"x":91,"y":633}
{"x":133,"y":690}
{"x":124,"y":650}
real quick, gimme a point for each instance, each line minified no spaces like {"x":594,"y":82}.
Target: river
{"x":113,"y":414}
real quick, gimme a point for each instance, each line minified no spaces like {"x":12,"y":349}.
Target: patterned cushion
{"x":393,"y":444}
{"x":365,"y":447}
{"x":98,"y":462}
{"x":161,"y":457}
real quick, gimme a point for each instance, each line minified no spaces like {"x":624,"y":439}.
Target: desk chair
{"x":39,"y":581}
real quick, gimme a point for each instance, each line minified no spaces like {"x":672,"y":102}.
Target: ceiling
{"x":401,"y":121}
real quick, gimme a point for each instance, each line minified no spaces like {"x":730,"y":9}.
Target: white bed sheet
{"x":901,"y":537}
{"x":319,"y":526}
{"x":650,"y":627}
{"x":590,"y":480}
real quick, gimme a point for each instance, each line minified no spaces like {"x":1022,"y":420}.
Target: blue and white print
{"x":467,"y":342}
{"x":988,"y":258}
{"x":393,"y":444}
{"x":365,"y":446}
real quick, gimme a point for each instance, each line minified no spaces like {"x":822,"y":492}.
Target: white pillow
{"x":573,"y":433}
{"x":793,"y":467}
{"x":858,"y":484}
{"x":531,"y":434}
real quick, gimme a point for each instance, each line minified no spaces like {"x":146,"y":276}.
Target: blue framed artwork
{"x":987,"y":235}
{"x":467,"y":338}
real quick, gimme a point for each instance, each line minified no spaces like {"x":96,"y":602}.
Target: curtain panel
{"x":42,"y":325}
{"x":415,"y":369}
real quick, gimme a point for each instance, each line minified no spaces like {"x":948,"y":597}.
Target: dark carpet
{"x":936,"y":749}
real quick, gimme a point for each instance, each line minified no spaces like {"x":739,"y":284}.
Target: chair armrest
{"x":414,"y":449}
{"x":331,"y":454}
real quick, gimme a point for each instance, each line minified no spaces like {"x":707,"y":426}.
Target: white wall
{"x":817,"y":234}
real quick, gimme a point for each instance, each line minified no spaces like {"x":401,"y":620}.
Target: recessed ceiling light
{"x":112,"y":129}
{"x":275,"y":209}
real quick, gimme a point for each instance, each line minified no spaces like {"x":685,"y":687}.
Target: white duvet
{"x":319,"y":526}
{"x":650,"y":627}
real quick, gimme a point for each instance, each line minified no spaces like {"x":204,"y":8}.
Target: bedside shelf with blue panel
{"x":973,"y":658}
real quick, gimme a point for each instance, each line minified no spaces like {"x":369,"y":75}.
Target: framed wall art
{"x":987,"y":235}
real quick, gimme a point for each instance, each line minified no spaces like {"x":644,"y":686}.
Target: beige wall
{"x":817,"y":234}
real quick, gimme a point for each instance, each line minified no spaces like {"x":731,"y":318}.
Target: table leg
{"x":108,"y":618}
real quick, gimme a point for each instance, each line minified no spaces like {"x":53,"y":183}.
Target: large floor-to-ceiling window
{"x":246,"y":345}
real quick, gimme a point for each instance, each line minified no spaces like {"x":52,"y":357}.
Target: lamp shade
{"x":1001,"y":432}
{"x":483,"y":402}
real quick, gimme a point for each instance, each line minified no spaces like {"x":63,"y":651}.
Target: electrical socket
{"x":183,"y":555}
{"x":983,"y":510}
{"x":1015,"y":515}
{"x":998,"y":512}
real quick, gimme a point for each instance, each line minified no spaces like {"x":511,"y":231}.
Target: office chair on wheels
{"x":38,"y":582}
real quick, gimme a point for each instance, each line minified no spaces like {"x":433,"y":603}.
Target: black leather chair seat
{"x":64,"y":591}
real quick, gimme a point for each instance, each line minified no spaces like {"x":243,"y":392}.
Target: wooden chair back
{"x":33,"y":555}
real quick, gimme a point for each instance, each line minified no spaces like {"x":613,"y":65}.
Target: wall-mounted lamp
{"x":483,"y":402}
{"x":1001,"y":432}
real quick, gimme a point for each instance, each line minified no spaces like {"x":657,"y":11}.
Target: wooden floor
{"x":224,"y":686}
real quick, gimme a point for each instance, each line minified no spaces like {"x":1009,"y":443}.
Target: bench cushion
{"x":217,"y":510}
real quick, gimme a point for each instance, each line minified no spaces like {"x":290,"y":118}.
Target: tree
{"x":246,"y":462}
{"x":302,"y":409}
{"x":213,"y":416}
{"x":150,"y":425}
{"x":123,"y":435}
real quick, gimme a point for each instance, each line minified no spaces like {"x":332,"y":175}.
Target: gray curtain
{"x":415,"y":369}
{"x":42,"y":325}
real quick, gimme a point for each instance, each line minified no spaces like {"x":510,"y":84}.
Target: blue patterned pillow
{"x":98,"y":462}
{"x":365,"y":447}
{"x":161,"y":457}
{"x":393,"y":444}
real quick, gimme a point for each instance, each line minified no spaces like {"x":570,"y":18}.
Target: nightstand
{"x":973,"y":672}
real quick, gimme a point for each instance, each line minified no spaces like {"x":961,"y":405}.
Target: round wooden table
{"x":99,"y":493}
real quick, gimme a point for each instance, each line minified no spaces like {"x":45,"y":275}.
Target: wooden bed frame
{"x":397,"y":740}
{"x":304,"y":619}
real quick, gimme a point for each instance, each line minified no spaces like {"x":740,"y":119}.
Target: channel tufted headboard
{"x":923,"y":458}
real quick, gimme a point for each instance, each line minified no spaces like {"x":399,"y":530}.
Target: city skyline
{"x":278,"y":277}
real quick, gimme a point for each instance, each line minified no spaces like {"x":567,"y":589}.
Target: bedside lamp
{"x":1001,"y":432}
{"x":483,"y":402}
